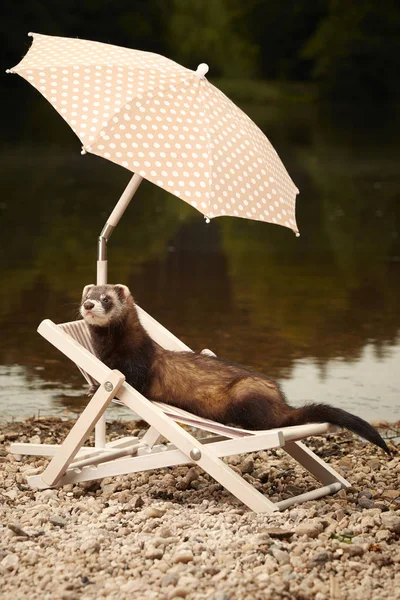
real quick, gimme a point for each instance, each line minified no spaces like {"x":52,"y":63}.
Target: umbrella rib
{"x":209,"y":147}
{"x":121,"y":108}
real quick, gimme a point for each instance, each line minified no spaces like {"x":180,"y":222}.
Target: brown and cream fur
{"x":204,"y":385}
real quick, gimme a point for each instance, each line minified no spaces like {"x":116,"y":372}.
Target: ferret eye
{"x":105,"y":300}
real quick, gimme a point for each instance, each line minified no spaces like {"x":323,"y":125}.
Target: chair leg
{"x":196,"y":451}
{"x":315,"y":465}
{"x":82,"y":428}
{"x":151,"y":437}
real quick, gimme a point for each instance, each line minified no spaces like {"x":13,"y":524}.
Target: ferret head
{"x":103,"y":304}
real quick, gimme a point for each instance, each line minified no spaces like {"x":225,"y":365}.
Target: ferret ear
{"x":122,"y":291}
{"x":86,"y":290}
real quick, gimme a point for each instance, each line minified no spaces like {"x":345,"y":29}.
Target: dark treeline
{"x":351,"y":48}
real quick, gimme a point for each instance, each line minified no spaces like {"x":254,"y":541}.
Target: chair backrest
{"x":79,"y":331}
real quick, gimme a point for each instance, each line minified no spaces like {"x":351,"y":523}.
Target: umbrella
{"x":164,"y":122}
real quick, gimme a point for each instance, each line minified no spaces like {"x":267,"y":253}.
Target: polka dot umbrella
{"x":165,"y":123}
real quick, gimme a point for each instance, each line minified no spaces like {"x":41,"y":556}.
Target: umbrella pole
{"x":112,"y":222}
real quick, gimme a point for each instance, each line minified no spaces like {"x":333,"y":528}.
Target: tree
{"x":204,"y":31}
{"x":356,"y":49}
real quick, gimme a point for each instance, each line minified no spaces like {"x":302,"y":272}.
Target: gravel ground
{"x":175,"y":533}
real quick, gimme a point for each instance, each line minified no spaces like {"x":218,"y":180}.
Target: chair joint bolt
{"x":108,"y":386}
{"x":195,"y":454}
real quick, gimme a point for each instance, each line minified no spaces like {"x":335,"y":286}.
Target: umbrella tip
{"x":297,"y":234}
{"x":83,"y":151}
{"x":8,"y":71}
{"x":30,"y":34}
{"x":201,"y":71}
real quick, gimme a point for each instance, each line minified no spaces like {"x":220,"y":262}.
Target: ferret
{"x":204,"y":385}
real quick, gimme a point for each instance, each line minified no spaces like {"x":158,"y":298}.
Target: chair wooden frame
{"x":73,"y":462}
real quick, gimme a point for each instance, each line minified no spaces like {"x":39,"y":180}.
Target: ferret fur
{"x":203,"y":385}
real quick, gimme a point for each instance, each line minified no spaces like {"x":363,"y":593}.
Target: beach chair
{"x":73,"y":462}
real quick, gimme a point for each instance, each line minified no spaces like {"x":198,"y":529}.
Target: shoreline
{"x":174,"y":533}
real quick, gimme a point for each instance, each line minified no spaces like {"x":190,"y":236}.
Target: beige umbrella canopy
{"x":164,"y":122}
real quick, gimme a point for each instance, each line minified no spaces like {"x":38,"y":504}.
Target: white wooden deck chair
{"x":73,"y":462}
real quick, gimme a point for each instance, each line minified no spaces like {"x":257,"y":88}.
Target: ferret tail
{"x":320,"y":413}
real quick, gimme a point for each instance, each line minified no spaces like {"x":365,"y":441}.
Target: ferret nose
{"x":88,"y":305}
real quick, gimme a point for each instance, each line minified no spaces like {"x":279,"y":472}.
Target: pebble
{"x":153,"y":512}
{"x":391,"y":494}
{"x":90,"y":546}
{"x":31,"y":557}
{"x":57,"y":521}
{"x":391,"y":522}
{"x":178,"y":592}
{"x":365,"y":502}
{"x":247,"y":466}
{"x":10,"y":562}
{"x":277,"y":532}
{"x":16,"y":528}
{"x":136,"y":501}
{"x":169,"y":579}
{"x":182,"y":556}
{"x":154,"y":553}
{"x":311,"y":528}
{"x":282,"y":556}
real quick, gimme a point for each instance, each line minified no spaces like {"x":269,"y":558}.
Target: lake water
{"x":319,"y":313}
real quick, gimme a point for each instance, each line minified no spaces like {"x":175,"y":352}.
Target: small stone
{"x":169,"y":579}
{"x":11,"y":494}
{"x":136,"y":501}
{"x":365,"y":502}
{"x":374,"y":464}
{"x":31,"y":557}
{"x":365,"y":493}
{"x":247,"y":465}
{"x":154,"y":553}
{"x":320,"y":557}
{"x":164,"y":532}
{"x":35,"y":439}
{"x":16,"y":528}
{"x":90,"y":546}
{"x":382,"y":535}
{"x":391,"y":522}
{"x":310,"y":528}
{"x":182,"y":556}
{"x":49,"y":495}
{"x":168,"y":480}
{"x":277,"y":532}
{"x":391,"y":494}
{"x":109,"y":488}
{"x":57,"y":521}
{"x":352,"y":549}
{"x":153,"y":512}
{"x":178,"y":592}
{"x":261,"y":539}
{"x":262,"y":475}
{"x":281,"y":556}
{"x":10,"y":562}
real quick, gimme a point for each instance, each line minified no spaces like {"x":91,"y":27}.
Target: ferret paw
{"x":92,"y":390}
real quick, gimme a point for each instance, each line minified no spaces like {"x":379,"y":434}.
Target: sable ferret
{"x":204,"y":385}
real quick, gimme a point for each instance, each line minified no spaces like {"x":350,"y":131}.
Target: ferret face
{"x":103,"y":304}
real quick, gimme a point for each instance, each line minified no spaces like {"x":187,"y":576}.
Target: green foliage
{"x":204,"y":31}
{"x":356,"y":50}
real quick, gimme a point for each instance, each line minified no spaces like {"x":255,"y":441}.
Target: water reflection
{"x":320,"y":313}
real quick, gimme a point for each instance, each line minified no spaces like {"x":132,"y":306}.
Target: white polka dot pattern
{"x":159,"y":119}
